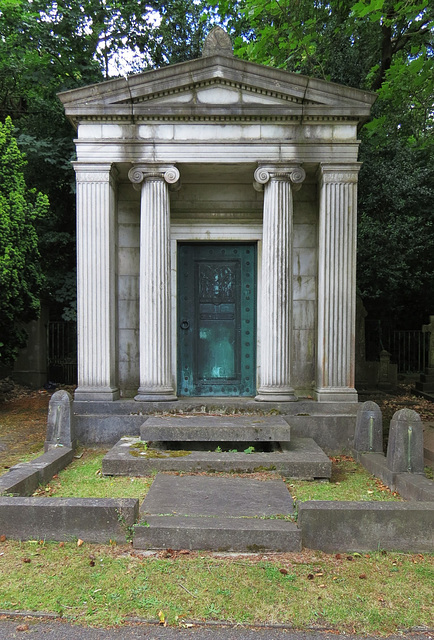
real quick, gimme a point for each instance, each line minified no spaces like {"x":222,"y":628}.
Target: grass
{"x":369,"y":593}
{"x":379,"y":593}
{"x":83,"y":479}
{"x":349,"y":481}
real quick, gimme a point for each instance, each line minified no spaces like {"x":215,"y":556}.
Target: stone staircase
{"x":184,"y":511}
{"x":191,"y":443}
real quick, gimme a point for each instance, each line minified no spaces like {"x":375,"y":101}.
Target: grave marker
{"x":369,"y":428}
{"x":405,"y":448}
{"x":60,"y":432}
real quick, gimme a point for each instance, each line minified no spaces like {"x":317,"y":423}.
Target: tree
{"x":47,"y":47}
{"x":20,"y":273}
{"x":384,"y":46}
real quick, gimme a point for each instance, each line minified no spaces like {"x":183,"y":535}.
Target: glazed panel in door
{"x":216,"y":319}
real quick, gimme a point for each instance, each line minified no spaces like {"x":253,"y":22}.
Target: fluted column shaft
{"x":276,"y":302}
{"x":96,"y":304}
{"x":337,"y":283}
{"x":156,"y":376}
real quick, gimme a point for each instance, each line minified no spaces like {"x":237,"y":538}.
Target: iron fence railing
{"x":409,"y":349}
{"x":62,"y":352}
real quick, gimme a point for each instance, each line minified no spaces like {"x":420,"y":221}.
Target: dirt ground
{"x":23,"y":418}
{"x":23,"y":424}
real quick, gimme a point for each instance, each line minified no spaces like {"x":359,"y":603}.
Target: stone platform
{"x":220,"y":514}
{"x":304,"y":460}
{"x":217,"y":429}
{"x":191,"y":443}
{"x":330,"y":424}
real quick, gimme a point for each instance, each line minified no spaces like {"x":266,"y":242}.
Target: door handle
{"x":185,"y":325}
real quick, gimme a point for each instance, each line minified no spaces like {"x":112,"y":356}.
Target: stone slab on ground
{"x":304,"y":460}
{"x":230,"y":514}
{"x":91,"y":519}
{"x":367,"y":526}
{"x":215,"y":429}
{"x":413,"y":486}
{"x":207,"y":496}
{"x":25,"y":477}
{"x":217,"y":534}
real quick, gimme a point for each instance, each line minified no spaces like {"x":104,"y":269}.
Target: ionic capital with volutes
{"x":167,"y":172}
{"x":289,"y":172}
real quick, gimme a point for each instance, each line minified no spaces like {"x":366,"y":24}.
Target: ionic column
{"x":337,"y":283}
{"x":96,"y":304}
{"x":156,"y":376}
{"x":276,"y":303}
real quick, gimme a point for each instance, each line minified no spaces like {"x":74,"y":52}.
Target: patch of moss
{"x":140,"y":446}
{"x":256,"y":548}
{"x":156,"y":453}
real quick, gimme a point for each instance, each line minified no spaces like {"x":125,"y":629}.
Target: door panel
{"x":216,"y":319}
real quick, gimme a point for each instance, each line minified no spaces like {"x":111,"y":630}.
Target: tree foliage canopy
{"x":20,"y":273}
{"x":48,"y":46}
{"x":384,"y":46}
{"x":381,"y":45}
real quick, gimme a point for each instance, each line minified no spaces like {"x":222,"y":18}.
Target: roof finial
{"x":217,"y":42}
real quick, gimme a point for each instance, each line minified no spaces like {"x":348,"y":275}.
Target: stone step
{"x":217,"y":534}
{"x":215,"y":429}
{"x":303,"y":459}
{"x":427,"y":378}
{"x":219,"y":514}
{"x":427,"y":387}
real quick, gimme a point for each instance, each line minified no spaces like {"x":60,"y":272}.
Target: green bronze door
{"x":216,"y":319}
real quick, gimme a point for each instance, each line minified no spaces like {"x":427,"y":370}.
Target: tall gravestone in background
{"x":426,"y":382}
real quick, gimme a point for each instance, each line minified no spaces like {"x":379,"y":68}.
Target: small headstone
{"x":217,"y":42}
{"x":60,"y":421}
{"x":369,"y":428}
{"x":405,"y":448}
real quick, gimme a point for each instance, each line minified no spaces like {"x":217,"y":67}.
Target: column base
{"x":162,"y":395}
{"x":276,"y":394}
{"x":97,"y":394}
{"x":335,"y":394}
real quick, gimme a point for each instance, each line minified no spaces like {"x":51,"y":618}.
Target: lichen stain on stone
{"x":310,"y":346}
{"x":155,"y":453}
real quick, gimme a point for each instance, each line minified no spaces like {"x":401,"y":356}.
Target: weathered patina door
{"x":216,"y":319}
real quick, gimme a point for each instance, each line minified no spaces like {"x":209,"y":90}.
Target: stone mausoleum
{"x":216,"y":213}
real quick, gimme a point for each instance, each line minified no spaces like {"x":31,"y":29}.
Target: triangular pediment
{"x":220,"y":86}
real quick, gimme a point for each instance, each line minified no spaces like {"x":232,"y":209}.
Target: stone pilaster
{"x":337,"y":283}
{"x":96,"y":304}
{"x":156,"y":376}
{"x":276,"y":303}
